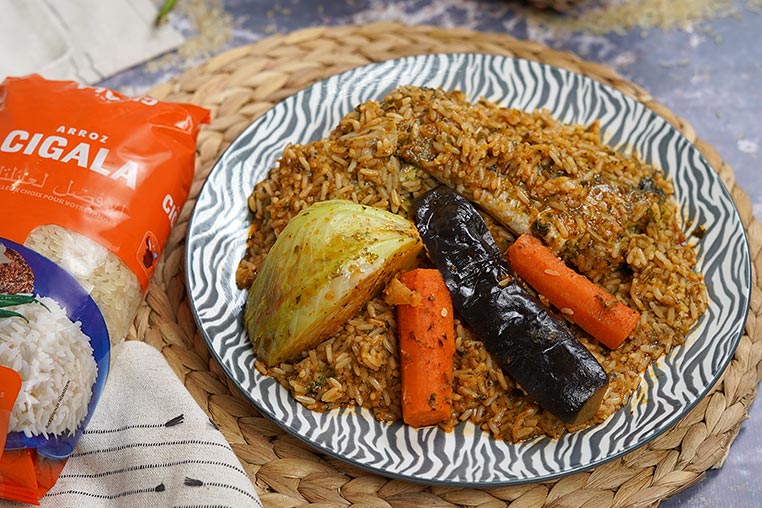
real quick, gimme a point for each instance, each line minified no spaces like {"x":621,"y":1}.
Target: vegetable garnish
{"x":7,"y":300}
{"x":15,"y":299}
{"x":531,"y":345}
{"x":427,"y":344}
{"x":594,"y":309}
{"x":328,"y":262}
{"x":164,"y":10}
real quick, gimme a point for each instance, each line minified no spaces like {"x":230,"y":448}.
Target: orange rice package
{"x":91,"y":183}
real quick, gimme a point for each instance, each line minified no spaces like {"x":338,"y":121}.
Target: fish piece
{"x":535,"y":175}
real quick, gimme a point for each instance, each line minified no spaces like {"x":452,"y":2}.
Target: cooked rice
{"x":112,"y":285}
{"x":648,"y":263}
{"x":55,"y":361}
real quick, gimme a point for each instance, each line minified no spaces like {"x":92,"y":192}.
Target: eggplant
{"x":533,"y":346}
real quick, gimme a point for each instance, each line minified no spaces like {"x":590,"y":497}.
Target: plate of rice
{"x":679,"y":256}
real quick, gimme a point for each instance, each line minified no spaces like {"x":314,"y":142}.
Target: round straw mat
{"x":244,"y":82}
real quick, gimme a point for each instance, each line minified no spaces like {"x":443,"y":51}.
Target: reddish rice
{"x":648,"y":264}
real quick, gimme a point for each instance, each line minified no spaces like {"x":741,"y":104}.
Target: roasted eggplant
{"x":532,"y":345}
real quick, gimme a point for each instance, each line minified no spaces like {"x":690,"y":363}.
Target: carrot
{"x":595,"y":310}
{"x":427,"y":347}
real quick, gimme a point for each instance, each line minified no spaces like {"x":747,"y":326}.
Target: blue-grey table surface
{"x":709,"y":73}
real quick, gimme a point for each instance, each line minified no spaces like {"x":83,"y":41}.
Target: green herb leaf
{"x":11,"y":300}
{"x":9,"y":313}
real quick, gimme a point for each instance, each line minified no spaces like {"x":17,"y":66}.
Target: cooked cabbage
{"x":325,"y":265}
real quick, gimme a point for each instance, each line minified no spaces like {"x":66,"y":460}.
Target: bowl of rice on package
{"x":91,"y":183}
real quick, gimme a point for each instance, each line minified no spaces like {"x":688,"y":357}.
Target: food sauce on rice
{"x":607,"y":214}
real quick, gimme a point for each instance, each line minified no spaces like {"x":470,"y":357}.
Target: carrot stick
{"x":595,"y":310}
{"x":427,"y":347}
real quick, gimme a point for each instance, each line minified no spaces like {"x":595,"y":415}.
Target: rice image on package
{"x":55,"y":361}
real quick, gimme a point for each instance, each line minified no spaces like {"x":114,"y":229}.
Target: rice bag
{"x":91,"y":183}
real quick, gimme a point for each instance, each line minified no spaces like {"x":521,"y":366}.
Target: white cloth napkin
{"x":84,"y":41}
{"x":150,"y":445}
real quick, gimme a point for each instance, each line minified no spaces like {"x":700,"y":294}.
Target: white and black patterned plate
{"x":467,"y":456}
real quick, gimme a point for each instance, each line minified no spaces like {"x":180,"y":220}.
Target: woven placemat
{"x":240,"y":85}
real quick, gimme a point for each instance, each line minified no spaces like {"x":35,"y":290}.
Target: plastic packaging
{"x":91,"y":183}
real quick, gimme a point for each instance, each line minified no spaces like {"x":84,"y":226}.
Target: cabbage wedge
{"x":328,"y":262}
